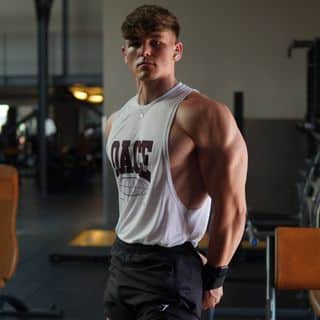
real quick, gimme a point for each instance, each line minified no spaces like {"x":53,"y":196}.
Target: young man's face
{"x":153,"y":56}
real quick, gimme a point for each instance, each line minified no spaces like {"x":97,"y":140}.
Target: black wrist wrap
{"x":213,"y":278}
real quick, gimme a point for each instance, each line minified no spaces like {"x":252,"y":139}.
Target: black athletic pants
{"x":153,"y":283}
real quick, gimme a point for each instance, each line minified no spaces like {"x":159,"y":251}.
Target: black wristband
{"x":213,"y":278}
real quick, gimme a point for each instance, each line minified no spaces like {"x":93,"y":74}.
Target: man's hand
{"x":211,"y":298}
{"x":203,"y":258}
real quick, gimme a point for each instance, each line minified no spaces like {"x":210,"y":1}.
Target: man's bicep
{"x":220,"y":148}
{"x":213,"y":169}
{"x":224,"y":169}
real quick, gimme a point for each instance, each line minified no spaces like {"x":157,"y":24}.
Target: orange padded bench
{"x":293,"y":263}
{"x":8,"y":211}
{"x":9,"y":195}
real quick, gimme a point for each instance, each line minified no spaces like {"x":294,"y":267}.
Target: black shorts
{"x":153,"y":283}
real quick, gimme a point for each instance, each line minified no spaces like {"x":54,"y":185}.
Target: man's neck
{"x":151,"y":90}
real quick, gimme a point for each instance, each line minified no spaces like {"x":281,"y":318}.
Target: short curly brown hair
{"x":147,"y":19}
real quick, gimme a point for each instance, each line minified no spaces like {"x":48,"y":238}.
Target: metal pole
{"x":110,"y":191}
{"x":65,"y":38}
{"x":5,"y":56}
{"x":238,"y":110}
{"x":270,"y":289}
{"x":43,"y":8}
{"x":316,"y":80}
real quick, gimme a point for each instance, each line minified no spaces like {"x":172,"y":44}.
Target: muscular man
{"x":172,"y":150}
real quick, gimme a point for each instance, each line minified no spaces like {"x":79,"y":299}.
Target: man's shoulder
{"x":198,"y":106}
{"x":209,"y":123}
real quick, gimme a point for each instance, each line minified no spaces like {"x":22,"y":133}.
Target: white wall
{"x":17,"y":15}
{"x":229,"y":45}
{"x":18,"y":37}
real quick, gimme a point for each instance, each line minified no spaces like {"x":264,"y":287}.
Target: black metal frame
{"x":17,"y":308}
{"x":312,"y":116}
{"x":270,"y":289}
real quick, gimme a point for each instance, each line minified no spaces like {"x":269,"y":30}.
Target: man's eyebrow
{"x":156,"y":35}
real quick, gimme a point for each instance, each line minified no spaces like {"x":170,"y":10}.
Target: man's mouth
{"x":145,"y":63}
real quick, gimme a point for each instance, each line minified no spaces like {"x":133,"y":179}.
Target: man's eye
{"x":134,"y":44}
{"x":156,"y":43}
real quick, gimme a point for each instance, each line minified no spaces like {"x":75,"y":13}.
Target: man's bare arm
{"x":224,"y":169}
{"x":222,"y":157}
{"x":223,"y":161}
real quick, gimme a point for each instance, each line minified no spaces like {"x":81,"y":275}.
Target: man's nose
{"x":145,"y":49}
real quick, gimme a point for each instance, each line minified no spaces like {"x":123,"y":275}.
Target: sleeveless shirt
{"x":150,"y":211}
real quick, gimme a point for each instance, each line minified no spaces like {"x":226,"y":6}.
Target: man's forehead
{"x":155,"y":35}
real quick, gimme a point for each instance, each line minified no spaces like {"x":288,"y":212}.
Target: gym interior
{"x":61,"y":76}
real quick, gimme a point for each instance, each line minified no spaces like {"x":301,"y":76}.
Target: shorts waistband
{"x":146,"y":248}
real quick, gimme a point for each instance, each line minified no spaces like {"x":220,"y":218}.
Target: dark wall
{"x":276,"y":155}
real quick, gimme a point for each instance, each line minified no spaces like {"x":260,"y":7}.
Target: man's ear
{"x":124,"y":54}
{"x":178,"y":51}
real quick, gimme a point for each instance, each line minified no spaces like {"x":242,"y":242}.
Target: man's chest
{"x":136,"y":145}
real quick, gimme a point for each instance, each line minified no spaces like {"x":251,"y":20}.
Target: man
{"x":172,"y":150}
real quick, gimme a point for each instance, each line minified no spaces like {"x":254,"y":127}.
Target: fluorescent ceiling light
{"x":89,"y":94}
{"x":80,"y":94}
{"x":95,"y":98}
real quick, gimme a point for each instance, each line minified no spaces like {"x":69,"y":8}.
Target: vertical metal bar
{"x":310,"y":116}
{"x":65,"y":39}
{"x":43,"y":98}
{"x":310,"y":72}
{"x":273,"y":303}
{"x":313,"y":316}
{"x":52,"y":49}
{"x":268,"y":294}
{"x":270,"y":289}
{"x":43,"y":14}
{"x":314,"y":82}
{"x":104,"y":173}
{"x":272,"y":275}
{"x":316,"y":79}
{"x":211,"y":314}
{"x":238,"y":110}
{"x":5,"y":71}
{"x":110,"y":190}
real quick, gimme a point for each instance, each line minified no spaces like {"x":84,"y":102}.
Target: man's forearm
{"x":224,"y":237}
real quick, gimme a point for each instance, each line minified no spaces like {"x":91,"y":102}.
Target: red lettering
{"x":146,"y":147}
{"x":115,"y":156}
{"x":125,"y":160}
{"x":137,"y":161}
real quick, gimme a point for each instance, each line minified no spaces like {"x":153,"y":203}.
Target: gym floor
{"x":46,"y":226}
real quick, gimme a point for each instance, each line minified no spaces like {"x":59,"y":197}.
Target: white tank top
{"x":150,"y":211}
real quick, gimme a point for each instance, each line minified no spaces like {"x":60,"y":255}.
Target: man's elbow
{"x":240,"y":219}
